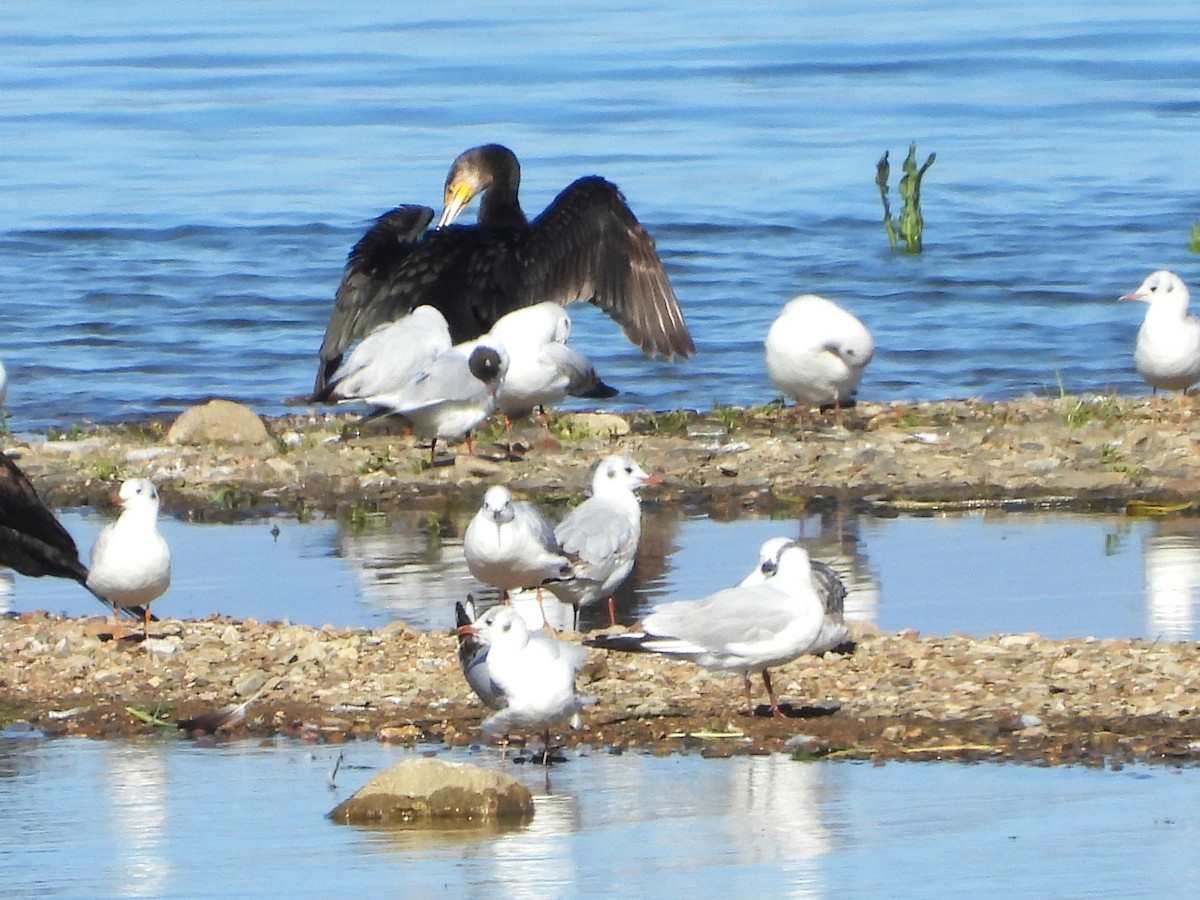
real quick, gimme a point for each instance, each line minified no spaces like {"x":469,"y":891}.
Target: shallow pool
{"x":1058,"y":575}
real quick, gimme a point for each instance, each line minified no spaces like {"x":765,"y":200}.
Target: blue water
{"x":179,"y":186}
{"x":161,"y":818}
{"x":1060,"y":576}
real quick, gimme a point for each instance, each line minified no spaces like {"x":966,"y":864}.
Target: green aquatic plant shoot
{"x":1194,"y":243}
{"x":910,"y":224}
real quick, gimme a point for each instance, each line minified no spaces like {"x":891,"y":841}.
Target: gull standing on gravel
{"x":451,"y":395}
{"x":530,"y":676}
{"x":740,"y":629}
{"x":131,"y":562}
{"x":542,"y":369}
{"x":389,"y":357}
{"x":1167,"y":354}
{"x":816,"y":352}
{"x":600,"y":536}
{"x":32,"y":541}
{"x":510,"y":545}
{"x":825,"y":581}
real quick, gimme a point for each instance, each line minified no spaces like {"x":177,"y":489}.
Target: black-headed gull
{"x":530,"y":676}
{"x":509,"y":544}
{"x":586,"y":246}
{"x":600,"y":536}
{"x":131,"y":562}
{"x":32,"y":541}
{"x":739,"y":629}
{"x":1167,"y":354}
{"x":542,"y":369}
{"x":816,"y":352}
{"x":826,"y":581}
{"x":389,"y":357}
{"x":451,"y":395}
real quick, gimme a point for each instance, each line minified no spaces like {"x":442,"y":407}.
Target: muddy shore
{"x":898,"y":696}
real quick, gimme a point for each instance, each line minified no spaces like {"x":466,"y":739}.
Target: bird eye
{"x":768,"y":567}
{"x":629,"y":470}
{"x":507,"y":626}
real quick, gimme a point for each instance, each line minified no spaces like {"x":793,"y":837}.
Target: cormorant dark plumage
{"x":586,"y":246}
{"x":32,"y":541}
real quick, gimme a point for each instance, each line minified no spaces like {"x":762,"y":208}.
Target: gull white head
{"x":502,"y":626}
{"x":618,"y":473}
{"x":1162,"y":289}
{"x":139,"y":494}
{"x":498,"y":504}
{"x":768,"y":560}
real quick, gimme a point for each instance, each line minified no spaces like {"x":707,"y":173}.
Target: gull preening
{"x":600,"y":536}
{"x":827,"y":583}
{"x":586,"y":246}
{"x":509,"y":544}
{"x":33,"y":542}
{"x":527,"y":677}
{"x":542,"y":369}
{"x":741,"y":629}
{"x":131,"y":562}
{"x":816,"y":352}
{"x":1167,"y":354}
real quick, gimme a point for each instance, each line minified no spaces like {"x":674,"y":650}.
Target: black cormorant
{"x":586,"y":245}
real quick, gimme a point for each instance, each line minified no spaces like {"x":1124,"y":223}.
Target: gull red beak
{"x":652,"y":479}
{"x":465,"y":629}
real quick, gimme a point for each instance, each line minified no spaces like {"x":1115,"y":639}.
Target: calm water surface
{"x":1057,"y":575}
{"x":161,"y":818}
{"x":178,"y":190}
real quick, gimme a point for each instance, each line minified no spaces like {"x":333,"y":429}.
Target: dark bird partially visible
{"x":587,"y":245}
{"x":32,"y":541}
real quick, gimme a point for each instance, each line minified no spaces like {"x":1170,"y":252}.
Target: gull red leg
{"x":775,"y":710}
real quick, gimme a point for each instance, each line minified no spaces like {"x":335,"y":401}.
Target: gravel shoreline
{"x":898,"y":696}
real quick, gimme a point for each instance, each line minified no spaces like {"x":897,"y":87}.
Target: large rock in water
{"x":218,"y":422}
{"x":430,"y":792}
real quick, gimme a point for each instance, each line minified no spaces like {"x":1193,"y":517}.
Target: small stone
{"x":218,"y":422}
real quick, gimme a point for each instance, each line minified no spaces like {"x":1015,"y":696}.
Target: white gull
{"x":1167,"y":354}
{"x":740,"y":629}
{"x":449,"y":396}
{"x":530,"y":675}
{"x":542,"y":369}
{"x":509,"y":544}
{"x":131,"y":562}
{"x":825,"y":581}
{"x":600,"y":536}
{"x":816,"y":352}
